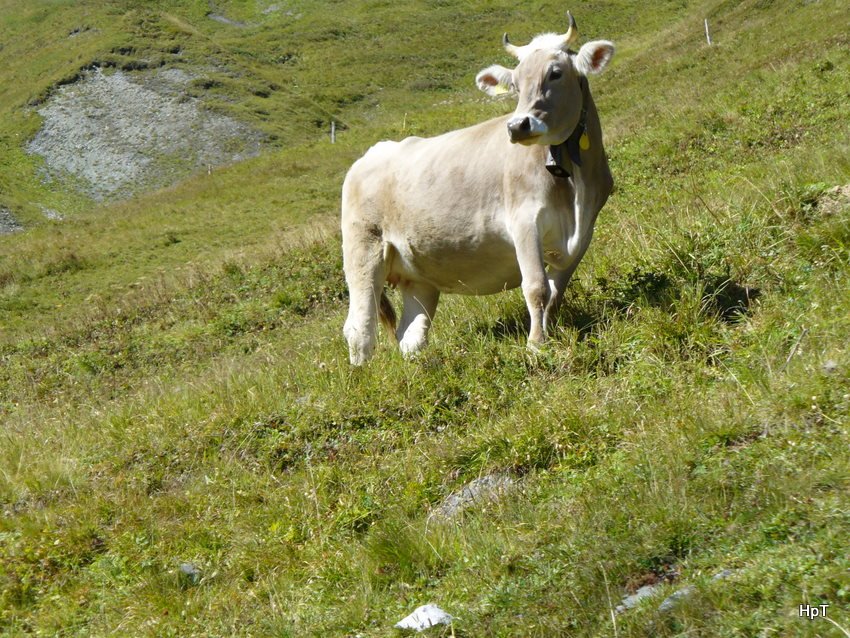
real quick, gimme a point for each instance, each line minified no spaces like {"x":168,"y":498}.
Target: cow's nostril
{"x":518,"y":125}
{"x":524,"y":127}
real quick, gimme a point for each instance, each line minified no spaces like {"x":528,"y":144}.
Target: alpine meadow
{"x":185,"y":449}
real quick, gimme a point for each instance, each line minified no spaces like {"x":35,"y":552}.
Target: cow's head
{"x":548,"y":82}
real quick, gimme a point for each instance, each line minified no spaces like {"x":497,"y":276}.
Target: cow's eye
{"x":555,"y":74}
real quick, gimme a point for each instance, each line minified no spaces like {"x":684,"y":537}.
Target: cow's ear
{"x":594,"y":56}
{"x":495,"y":80}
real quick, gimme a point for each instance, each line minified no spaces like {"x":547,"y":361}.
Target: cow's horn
{"x":510,"y":48}
{"x":571,"y":35}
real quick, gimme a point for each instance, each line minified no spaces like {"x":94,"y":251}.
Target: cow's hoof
{"x":357,"y":358}
{"x":535,"y":347}
{"x":409,"y":349}
{"x":360,"y":351}
{"x":361,"y":344}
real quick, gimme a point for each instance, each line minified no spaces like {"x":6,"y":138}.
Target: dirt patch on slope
{"x":118,"y":134}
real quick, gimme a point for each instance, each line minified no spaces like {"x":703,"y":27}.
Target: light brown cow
{"x":506,"y":203}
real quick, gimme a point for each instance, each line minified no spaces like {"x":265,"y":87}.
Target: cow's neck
{"x":558,"y":156}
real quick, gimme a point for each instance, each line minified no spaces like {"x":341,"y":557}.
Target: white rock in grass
{"x":424,"y":617}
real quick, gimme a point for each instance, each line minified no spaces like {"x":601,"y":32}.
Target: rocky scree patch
{"x":118,"y":134}
{"x":8,"y":223}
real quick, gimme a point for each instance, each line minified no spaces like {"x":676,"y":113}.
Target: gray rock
{"x":629,"y":602}
{"x":669,"y":603}
{"x":484,"y":489}
{"x":835,"y":200}
{"x":830,"y":366}
{"x":189,"y":574}
{"x":225,"y":20}
{"x":52,"y":215}
{"x":723,"y":574}
{"x":8,"y":223}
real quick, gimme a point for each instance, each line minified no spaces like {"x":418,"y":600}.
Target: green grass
{"x":174,"y":386}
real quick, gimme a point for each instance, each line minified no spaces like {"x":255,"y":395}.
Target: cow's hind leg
{"x":420,"y":304}
{"x":558,"y":280}
{"x":365,"y":274}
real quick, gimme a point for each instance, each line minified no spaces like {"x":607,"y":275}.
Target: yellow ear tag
{"x":584,"y":142}
{"x":500,"y":90}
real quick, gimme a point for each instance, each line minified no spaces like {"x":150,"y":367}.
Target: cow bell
{"x":555,"y":161}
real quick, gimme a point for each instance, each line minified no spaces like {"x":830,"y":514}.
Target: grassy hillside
{"x":174,"y":386}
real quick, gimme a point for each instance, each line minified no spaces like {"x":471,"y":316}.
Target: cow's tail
{"x":386,"y":313}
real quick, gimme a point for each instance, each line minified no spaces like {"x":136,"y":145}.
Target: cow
{"x":509,"y":202}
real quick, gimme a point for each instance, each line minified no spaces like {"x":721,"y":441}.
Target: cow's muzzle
{"x":524,"y":128}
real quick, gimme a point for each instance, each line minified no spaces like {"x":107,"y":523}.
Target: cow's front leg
{"x":535,"y":283}
{"x":365,"y":273}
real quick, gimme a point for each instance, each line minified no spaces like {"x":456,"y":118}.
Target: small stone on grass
{"x":189,"y":575}
{"x":424,"y":617}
